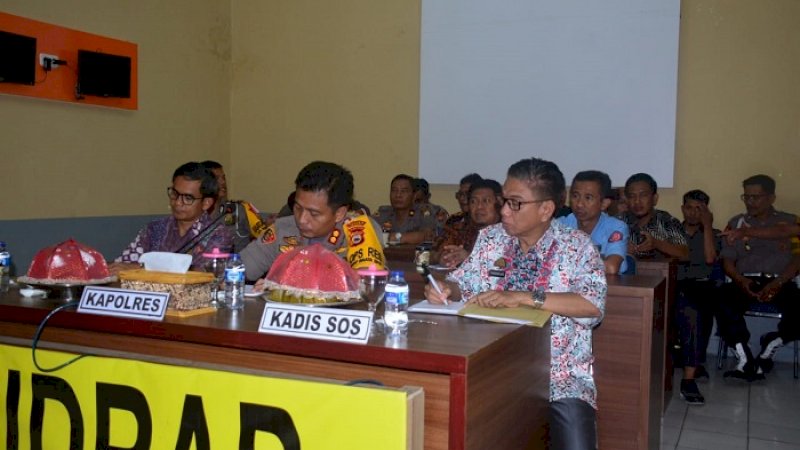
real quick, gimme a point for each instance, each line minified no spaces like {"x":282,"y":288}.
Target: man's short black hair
{"x":696,"y":195}
{"x":402,"y":176}
{"x":470,"y":179}
{"x":642,"y":177}
{"x":765,"y":181}
{"x":421,"y":184}
{"x":486,"y":183}
{"x":196,"y":171}
{"x":333,"y":179}
{"x":601,"y":178}
{"x":541,"y":176}
{"x":211,"y":165}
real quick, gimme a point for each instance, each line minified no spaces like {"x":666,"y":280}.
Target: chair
{"x":769,"y":311}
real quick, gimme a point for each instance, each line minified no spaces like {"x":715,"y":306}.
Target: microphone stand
{"x":226,"y":208}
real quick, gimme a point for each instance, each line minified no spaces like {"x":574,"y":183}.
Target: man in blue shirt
{"x":589,"y":198}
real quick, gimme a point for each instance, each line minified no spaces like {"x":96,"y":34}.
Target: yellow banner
{"x":100,"y":402}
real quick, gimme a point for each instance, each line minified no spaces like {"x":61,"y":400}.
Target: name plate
{"x":124,"y":303}
{"x":330,"y":324}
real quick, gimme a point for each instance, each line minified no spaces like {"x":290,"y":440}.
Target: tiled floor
{"x":736,"y":416}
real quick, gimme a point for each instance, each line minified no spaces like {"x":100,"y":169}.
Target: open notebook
{"x":522,"y":315}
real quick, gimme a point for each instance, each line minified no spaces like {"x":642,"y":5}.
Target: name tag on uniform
{"x":124,"y":303}
{"x":330,"y":324}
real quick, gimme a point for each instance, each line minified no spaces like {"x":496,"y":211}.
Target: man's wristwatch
{"x":538,"y":296}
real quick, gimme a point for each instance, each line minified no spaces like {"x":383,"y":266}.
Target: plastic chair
{"x":769,"y":311}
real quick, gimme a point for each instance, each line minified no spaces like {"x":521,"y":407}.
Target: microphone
{"x":229,"y":206}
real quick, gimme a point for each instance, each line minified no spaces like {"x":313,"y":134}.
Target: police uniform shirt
{"x":610,"y":233}
{"x":753,"y":255}
{"x":283,"y":236}
{"x":418,"y":219}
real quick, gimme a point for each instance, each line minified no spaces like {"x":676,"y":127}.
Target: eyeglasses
{"x":515,"y":205}
{"x":752,"y":197}
{"x":476,"y":201}
{"x":186,"y":199}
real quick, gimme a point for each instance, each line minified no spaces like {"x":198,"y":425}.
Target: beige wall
{"x":738,"y":101}
{"x":340,"y":81}
{"x":69,"y":160}
{"x":337,"y":81}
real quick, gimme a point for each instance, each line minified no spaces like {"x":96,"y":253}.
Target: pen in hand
{"x":433,"y":282}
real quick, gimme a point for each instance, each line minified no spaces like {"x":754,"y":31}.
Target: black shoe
{"x":765,"y":365}
{"x":701,"y":374}
{"x":768,"y":348}
{"x":749,"y":374}
{"x":691,"y":393}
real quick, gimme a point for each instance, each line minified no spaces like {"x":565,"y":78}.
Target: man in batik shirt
{"x":652,"y":231}
{"x":532,"y":261}
{"x":485,"y":201}
{"x":189,"y":229}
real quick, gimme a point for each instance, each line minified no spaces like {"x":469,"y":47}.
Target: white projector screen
{"x":587,"y":84}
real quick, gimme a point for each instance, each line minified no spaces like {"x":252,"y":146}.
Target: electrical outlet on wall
{"x":53,"y":58}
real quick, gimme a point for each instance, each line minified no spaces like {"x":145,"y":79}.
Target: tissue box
{"x":188,"y":291}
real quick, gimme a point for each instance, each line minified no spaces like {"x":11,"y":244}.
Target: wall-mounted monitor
{"x":17,"y":58}
{"x":103,"y":74}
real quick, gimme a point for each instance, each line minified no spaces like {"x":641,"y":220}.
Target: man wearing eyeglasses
{"x":485,"y":201}
{"x":760,"y":270}
{"x":532,"y":261}
{"x":189,"y":228}
{"x":461,"y":218}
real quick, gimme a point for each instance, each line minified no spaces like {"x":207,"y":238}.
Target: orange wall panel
{"x":59,"y":83}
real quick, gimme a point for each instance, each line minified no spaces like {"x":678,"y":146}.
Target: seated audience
{"x":696,"y":292}
{"x":456,"y":243}
{"x":323,"y":197}
{"x":652,"y":231}
{"x":780,"y":231}
{"x":190,"y":228}
{"x":618,"y":206}
{"x":588,"y":198}
{"x":288,"y":208}
{"x":760,"y":270}
{"x":533,"y":261}
{"x":241,"y":217}
{"x":405,"y":222}
{"x":422,"y":197}
{"x":460,"y":218}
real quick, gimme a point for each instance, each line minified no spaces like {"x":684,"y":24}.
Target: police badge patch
{"x":269,"y":235}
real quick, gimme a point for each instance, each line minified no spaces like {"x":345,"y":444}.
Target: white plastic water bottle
{"x":234,"y":282}
{"x":396,"y":300}
{"x":5,"y":267}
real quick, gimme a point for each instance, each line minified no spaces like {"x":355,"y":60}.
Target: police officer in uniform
{"x":760,"y":270}
{"x":323,"y":196}
{"x":406,"y":222}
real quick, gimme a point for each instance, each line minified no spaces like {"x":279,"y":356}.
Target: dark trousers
{"x":733,"y":302}
{"x":573,"y":425}
{"x":694,"y":308}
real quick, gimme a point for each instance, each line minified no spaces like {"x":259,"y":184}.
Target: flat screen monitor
{"x":103,"y":74}
{"x":17,"y":58}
